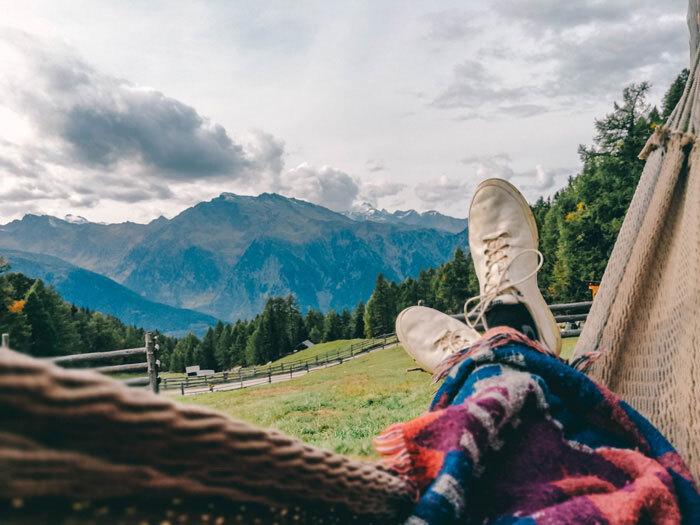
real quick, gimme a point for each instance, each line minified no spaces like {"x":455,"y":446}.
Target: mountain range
{"x":428,"y":219}
{"x":222,"y":258}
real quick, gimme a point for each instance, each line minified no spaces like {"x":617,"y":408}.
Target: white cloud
{"x":443,"y":190}
{"x":326,"y":186}
{"x":373,"y":191}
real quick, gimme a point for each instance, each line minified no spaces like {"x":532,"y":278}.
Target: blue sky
{"x":129,"y":110}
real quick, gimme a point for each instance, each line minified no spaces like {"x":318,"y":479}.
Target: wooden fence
{"x":150,"y":365}
{"x":241,"y":376}
{"x":563,"y":313}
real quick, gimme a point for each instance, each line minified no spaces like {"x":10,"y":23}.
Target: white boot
{"x":429,"y":336}
{"x":503,"y":241}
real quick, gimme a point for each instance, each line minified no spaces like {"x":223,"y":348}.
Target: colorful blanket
{"x":515,"y":435}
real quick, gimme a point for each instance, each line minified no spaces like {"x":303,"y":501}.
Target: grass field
{"x":309,"y":354}
{"x":341,"y":408}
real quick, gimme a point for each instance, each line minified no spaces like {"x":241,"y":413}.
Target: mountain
{"x":429,"y":219}
{"x":225,"y":256}
{"x":88,"y":289}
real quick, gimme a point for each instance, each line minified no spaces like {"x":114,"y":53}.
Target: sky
{"x":128,"y":110}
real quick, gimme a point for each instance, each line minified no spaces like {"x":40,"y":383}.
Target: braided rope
{"x":77,"y":433}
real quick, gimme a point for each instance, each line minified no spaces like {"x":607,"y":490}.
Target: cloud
{"x":326,"y":186}
{"x":375,"y":165}
{"x":609,"y":56}
{"x":473,"y":85}
{"x":566,"y":56}
{"x":533,"y":182}
{"x":558,"y":15}
{"x":97,"y":138}
{"x":450,"y":25}
{"x":443,"y":190}
{"x":100,"y":121}
{"x":373,"y":191}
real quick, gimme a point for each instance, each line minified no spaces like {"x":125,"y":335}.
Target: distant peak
{"x":75,"y":219}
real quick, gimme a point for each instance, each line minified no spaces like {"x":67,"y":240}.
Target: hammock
{"x":78,"y":445}
{"x":645,"y":319}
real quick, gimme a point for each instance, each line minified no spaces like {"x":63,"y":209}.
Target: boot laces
{"x":451,"y":341}
{"x":497,"y":282}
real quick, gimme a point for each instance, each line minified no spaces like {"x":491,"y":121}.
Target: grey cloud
{"x":449,"y":25}
{"x":103,"y":121}
{"x":373,"y":191}
{"x":610,"y":57}
{"x":375,"y":165}
{"x":443,"y":190}
{"x":523,"y":110}
{"x":556,"y":14}
{"x":326,"y":186}
{"x":586,"y":50}
{"x":472,"y":86}
{"x":476,"y":159}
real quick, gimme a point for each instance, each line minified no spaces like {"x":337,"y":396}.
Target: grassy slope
{"x":317,"y":350}
{"x":341,"y":408}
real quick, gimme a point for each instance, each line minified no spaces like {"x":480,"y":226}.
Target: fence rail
{"x":151,"y":364}
{"x":563,"y":313}
{"x":268,"y":372}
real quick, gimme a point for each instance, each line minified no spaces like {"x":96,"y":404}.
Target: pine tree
{"x":43,"y":331}
{"x":380,"y":309}
{"x":314,"y":325}
{"x":674,"y":93}
{"x":358,"y":322}
{"x":332,"y":327}
{"x":206,"y":357}
{"x":223,"y":348}
{"x":184,"y":353}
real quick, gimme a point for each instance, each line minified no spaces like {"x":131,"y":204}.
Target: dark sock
{"x":515,"y":316}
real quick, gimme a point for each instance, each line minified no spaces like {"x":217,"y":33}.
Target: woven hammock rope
{"x":78,"y":433}
{"x":645,"y":319}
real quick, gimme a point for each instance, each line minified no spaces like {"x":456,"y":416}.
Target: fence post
{"x":151,"y":360}
{"x":182,"y":388}
{"x":269,"y":375}
{"x":307,"y":367}
{"x":291,"y":371}
{"x":5,"y":341}
{"x":240,"y":377}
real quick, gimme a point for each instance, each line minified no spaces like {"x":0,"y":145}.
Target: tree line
{"x":42,"y":324}
{"x":277,"y":331}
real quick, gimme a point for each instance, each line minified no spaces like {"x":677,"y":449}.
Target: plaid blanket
{"x":514,"y":435}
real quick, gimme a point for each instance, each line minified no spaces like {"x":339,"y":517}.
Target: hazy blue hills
{"x":97,"y":292}
{"x":225,"y":256}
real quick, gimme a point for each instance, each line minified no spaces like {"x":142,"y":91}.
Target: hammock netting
{"x":79,"y":445}
{"x":645,"y":319}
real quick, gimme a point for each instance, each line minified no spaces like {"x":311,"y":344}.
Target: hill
{"x":87,"y":289}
